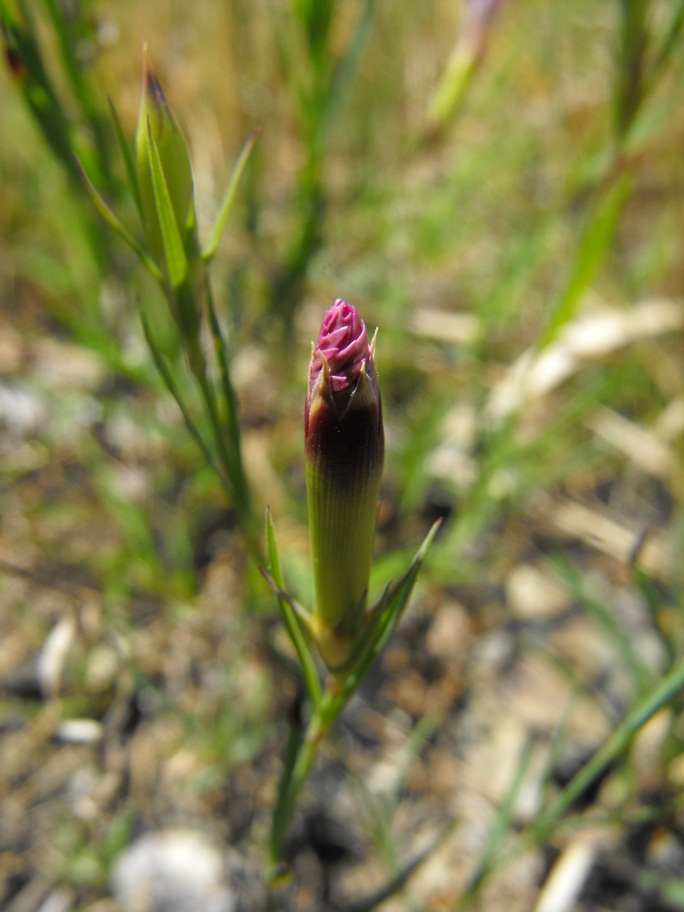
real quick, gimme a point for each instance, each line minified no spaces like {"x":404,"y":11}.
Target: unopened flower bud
{"x":344,"y":445}
{"x":156,"y":118}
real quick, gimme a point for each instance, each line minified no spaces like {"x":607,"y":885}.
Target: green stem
{"x":229,"y":459}
{"x":231,"y":409}
{"x":167,"y":376}
{"x":321,"y":722}
{"x":339,"y":689}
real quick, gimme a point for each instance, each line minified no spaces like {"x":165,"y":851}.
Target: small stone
{"x":172,"y":871}
{"x":532,"y":594}
{"x":79,"y":731}
{"x":53,"y":655}
{"x":450,"y":633}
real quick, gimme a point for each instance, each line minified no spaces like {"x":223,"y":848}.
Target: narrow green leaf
{"x":228,"y":198}
{"x":385,"y":617}
{"x":274,"y":564}
{"x":127,"y":156}
{"x":402,"y":877}
{"x":114,"y":223}
{"x":292,"y":624}
{"x":174,"y":252}
{"x":399,"y":594}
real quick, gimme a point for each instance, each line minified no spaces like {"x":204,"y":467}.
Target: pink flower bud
{"x":343,"y":344}
{"x":344,"y":445}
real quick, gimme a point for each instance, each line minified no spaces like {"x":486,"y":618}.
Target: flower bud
{"x":175,"y":161}
{"x":344,"y":444}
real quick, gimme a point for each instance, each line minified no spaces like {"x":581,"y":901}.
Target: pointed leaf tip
{"x":216,"y":232}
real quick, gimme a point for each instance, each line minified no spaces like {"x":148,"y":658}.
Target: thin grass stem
{"x":167,"y":376}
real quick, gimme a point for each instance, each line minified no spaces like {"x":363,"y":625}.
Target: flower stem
{"x":231,"y":410}
{"x":297,"y":770}
{"x":231,"y":461}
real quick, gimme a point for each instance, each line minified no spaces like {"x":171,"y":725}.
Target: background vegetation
{"x":520,"y":251}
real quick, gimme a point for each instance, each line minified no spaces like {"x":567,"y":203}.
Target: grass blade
{"x":598,"y":233}
{"x":604,"y":618}
{"x":611,"y":750}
